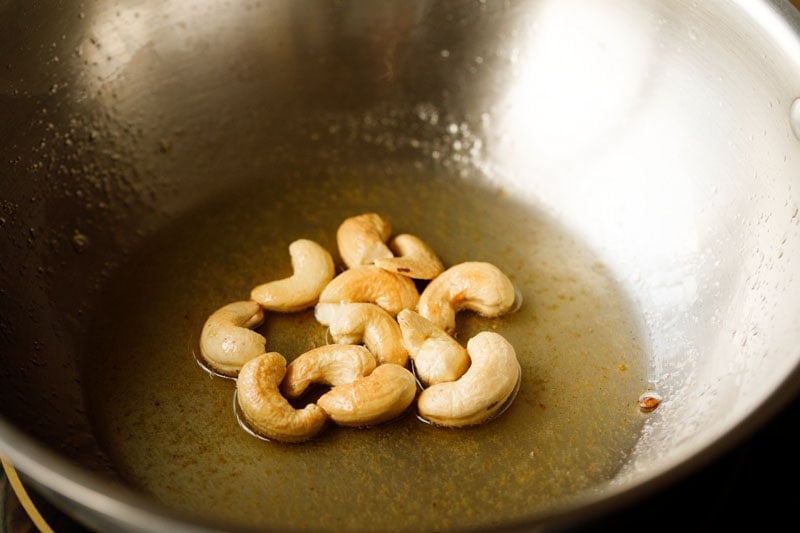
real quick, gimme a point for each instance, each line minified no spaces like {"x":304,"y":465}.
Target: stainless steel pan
{"x":662,"y":139}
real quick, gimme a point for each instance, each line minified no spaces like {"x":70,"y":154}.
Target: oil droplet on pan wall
{"x":794,"y":117}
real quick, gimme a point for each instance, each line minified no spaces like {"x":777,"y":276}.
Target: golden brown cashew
{"x":353,"y":323}
{"x":415,"y":259}
{"x":478,"y":286}
{"x":378,"y":397}
{"x":263,"y":408}
{"x":227,"y":342}
{"x":313,"y":270}
{"x":481,"y":392}
{"x":437,"y":356}
{"x":335,"y":364}
{"x":371,"y":284}
{"x":362,"y":239}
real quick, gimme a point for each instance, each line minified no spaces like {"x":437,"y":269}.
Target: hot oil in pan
{"x":171,"y":429}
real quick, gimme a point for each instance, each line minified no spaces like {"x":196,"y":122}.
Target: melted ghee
{"x":170,"y":428}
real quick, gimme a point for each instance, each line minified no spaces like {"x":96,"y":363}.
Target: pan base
{"x":171,"y":431}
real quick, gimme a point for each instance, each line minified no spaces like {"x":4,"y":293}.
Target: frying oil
{"x":171,"y":430}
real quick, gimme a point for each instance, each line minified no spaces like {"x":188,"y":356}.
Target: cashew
{"x":227,"y":342}
{"x":481,"y":392}
{"x":478,"y":286}
{"x":313,"y":270}
{"x":328,"y":365}
{"x":437,"y":356}
{"x":354,"y":323}
{"x":378,"y":397}
{"x":392,"y":292}
{"x":362,"y":239}
{"x":415,"y":259}
{"x":263,"y":408}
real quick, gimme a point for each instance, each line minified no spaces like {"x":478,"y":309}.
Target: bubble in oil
{"x":79,"y":241}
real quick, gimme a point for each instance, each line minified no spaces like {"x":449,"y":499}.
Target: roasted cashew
{"x":481,"y":392}
{"x":437,"y":356}
{"x":371,"y":284}
{"x":362,"y":239}
{"x":478,"y":286}
{"x":227,"y":342}
{"x":414,"y":258}
{"x":263,"y":408}
{"x":354,"y":323}
{"x":335,"y":364}
{"x":313,"y":270}
{"x":378,"y":397}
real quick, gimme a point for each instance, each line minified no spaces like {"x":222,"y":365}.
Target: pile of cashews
{"x":378,"y":320}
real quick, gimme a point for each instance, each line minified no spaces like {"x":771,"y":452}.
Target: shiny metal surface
{"x":663,"y":133}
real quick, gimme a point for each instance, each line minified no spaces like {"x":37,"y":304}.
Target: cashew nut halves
{"x":354,"y":323}
{"x":414,"y":258}
{"x":375,"y":285}
{"x":437,"y":356}
{"x":474,"y":285}
{"x":335,"y":364}
{"x":313,"y":270}
{"x":481,"y":392}
{"x":227,"y":342}
{"x":265,"y":411}
{"x":379,"y":397}
{"x":362,"y":239}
